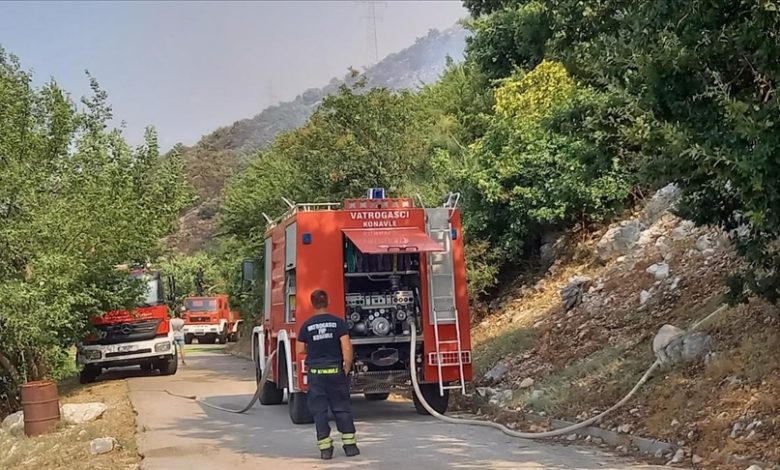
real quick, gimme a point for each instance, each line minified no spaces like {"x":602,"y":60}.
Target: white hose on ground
{"x":537,"y":435}
{"x":260,"y":384}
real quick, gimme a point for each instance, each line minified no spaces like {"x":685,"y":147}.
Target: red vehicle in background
{"x":140,"y":337}
{"x":209,"y":320}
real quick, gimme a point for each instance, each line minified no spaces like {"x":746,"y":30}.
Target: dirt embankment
{"x":722,"y":410}
{"x":69,"y":447}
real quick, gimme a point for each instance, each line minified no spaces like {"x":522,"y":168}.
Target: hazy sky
{"x":190,"y":67}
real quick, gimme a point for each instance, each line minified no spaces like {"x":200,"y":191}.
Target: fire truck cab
{"x":140,"y":337}
{"x":387,"y":267}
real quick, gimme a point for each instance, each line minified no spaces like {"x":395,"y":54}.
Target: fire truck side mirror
{"x":248,"y":271}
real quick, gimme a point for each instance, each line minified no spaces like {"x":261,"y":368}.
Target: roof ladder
{"x":441,"y":289}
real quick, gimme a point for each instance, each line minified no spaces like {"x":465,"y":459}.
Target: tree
{"x":75,"y":200}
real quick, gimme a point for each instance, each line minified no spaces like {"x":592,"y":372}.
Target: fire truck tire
{"x":88,"y":374}
{"x":188,"y":339}
{"x":169,"y":366}
{"x":430,"y":393}
{"x":223,"y":337}
{"x":376,"y":396}
{"x":270,"y":395}
{"x":299,"y":409}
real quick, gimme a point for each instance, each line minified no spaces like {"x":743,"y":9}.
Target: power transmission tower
{"x":371,"y":17}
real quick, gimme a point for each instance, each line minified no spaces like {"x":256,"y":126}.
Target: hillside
{"x":717,"y":406}
{"x":226,"y":151}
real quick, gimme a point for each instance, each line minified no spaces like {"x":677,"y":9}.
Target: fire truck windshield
{"x":153,"y":293}
{"x":201,"y":305}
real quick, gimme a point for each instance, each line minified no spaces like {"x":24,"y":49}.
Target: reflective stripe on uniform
{"x":326,"y":443}
{"x":348,"y":439}
{"x":329,"y":371}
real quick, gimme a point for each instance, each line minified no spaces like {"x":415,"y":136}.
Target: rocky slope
{"x":572,"y":343}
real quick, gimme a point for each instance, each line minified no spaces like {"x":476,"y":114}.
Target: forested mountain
{"x":219,"y":154}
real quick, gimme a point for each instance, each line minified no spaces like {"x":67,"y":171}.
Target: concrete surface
{"x":176,"y":433}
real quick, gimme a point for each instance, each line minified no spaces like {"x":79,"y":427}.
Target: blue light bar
{"x":376,"y":193}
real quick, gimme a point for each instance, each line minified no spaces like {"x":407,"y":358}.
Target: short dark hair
{"x":319,"y":298}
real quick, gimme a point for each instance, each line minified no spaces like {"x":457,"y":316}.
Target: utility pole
{"x":372,"y":42}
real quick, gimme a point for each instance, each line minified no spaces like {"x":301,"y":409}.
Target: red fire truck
{"x":388,"y":267}
{"x":209,"y":319}
{"x":140,"y":337}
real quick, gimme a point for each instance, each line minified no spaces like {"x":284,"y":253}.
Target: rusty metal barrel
{"x":41,"y":406}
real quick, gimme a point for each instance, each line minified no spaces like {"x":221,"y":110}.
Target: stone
{"x":675,"y":283}
{"x":624,"y":429}
{"x":673,"y":346}
{"x":659,"y":454}
{"x":572,"y":437}
{"x":754,"y":467}
{"x":659,"y":270}
{"x":696,"y":459}
{"x":527,"y":382}
{"x":694,"y":346}
{"x":664,"y":200}
{"x":738,"y":427}
{"x":619,"y":240}
{"x":497,"y":372}
{"x":675,"y":423}
{"x":537,"y":394}
{"x":501,"y":398}
{"x":706,"y":242}
{"x":80,"y":413}
{"x":14,"y":423}
{"x":598,"y":441}
{"x":102,"y":445}
{"x":644,"y":297}
{"x":683,"y":230}
{"x":755,"y":424}
{"x":663,"y":244}
{"x":571,"y":294}
{"x":679,"y":456}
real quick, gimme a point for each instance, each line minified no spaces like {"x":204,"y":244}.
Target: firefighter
{"x":325,"y":339}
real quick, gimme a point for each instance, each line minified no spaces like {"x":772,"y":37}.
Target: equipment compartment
{"x":382,"y":293}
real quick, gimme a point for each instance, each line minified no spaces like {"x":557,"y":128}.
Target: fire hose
{"x":546,"y":434}
{"x":255,"y":397}
{"x":470,"y":422}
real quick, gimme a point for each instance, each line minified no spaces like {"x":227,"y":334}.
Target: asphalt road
{"x":176,"y":433}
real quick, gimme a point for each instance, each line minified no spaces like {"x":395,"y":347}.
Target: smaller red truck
{"x":209,"y":319}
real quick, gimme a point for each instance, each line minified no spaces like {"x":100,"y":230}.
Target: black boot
{"x":326,"y":454}
{"x":351,"y":450}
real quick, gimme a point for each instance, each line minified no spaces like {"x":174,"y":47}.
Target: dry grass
{"x":68,"y":448}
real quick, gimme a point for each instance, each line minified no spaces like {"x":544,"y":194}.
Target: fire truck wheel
{"x":223,"y":337}
{"x":188,"y":339}
{"x":270,"y":395}
{"x":431,"y":394}
{"x":88,"y":374}
{"x":169,"y":366}
{"x":299,"y":409}
{"x":376,"y":396}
